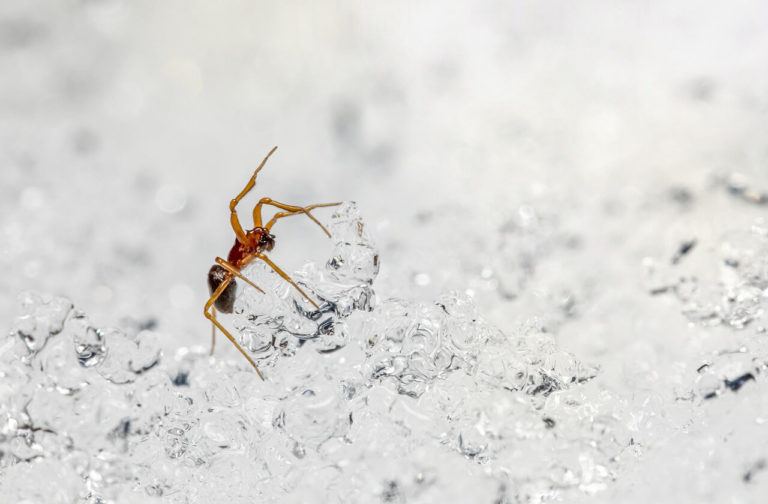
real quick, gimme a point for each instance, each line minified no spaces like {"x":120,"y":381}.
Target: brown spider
{"x":249,"y":245}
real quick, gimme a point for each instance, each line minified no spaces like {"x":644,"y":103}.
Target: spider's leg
{"x":280,"y":215}
{"x":287,"y":278}
{"x":321,"y":205}
{"x":233,"y":218}
{"x":212,"y":317}
{"x":213,"y":331}
{"x":232,"y":269}
{"x":291,"y":209}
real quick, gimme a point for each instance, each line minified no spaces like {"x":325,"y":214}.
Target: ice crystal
{"x":735,"y":296}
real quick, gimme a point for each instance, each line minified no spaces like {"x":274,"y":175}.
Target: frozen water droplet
{"x":298,"y":450}
{"x":90,"y":348}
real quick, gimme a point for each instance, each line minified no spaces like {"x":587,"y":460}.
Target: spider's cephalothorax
{"x":249,"y":246}
{"x":257,"y":240}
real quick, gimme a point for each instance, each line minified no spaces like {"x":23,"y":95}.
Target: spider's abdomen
{"x":225,"y":303}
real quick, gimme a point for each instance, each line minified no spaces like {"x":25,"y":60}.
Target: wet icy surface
{"x":366,"y":399}
{"x":380,"y":399}
{"x":567,"y":203}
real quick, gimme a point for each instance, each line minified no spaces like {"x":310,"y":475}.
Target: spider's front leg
{"x":288,"y":210}
{"x":304,"y":210}
{"x":233,"y":218}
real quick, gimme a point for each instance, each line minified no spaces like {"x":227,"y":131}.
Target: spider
{"x":250,"y":245}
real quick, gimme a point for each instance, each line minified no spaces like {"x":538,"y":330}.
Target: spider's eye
{"x":266,"y":240}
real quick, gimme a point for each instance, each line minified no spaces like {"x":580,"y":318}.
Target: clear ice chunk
{"x":280,"y":320}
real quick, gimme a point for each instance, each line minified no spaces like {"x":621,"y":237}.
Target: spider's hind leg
{"x":225,"y":302}
{"x":213,"y":331}
{"x":210,"y":314}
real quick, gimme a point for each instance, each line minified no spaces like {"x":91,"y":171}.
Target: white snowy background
{"x":547,"y":158}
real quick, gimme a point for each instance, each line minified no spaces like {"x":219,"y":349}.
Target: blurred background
{"x":585,"y":131}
